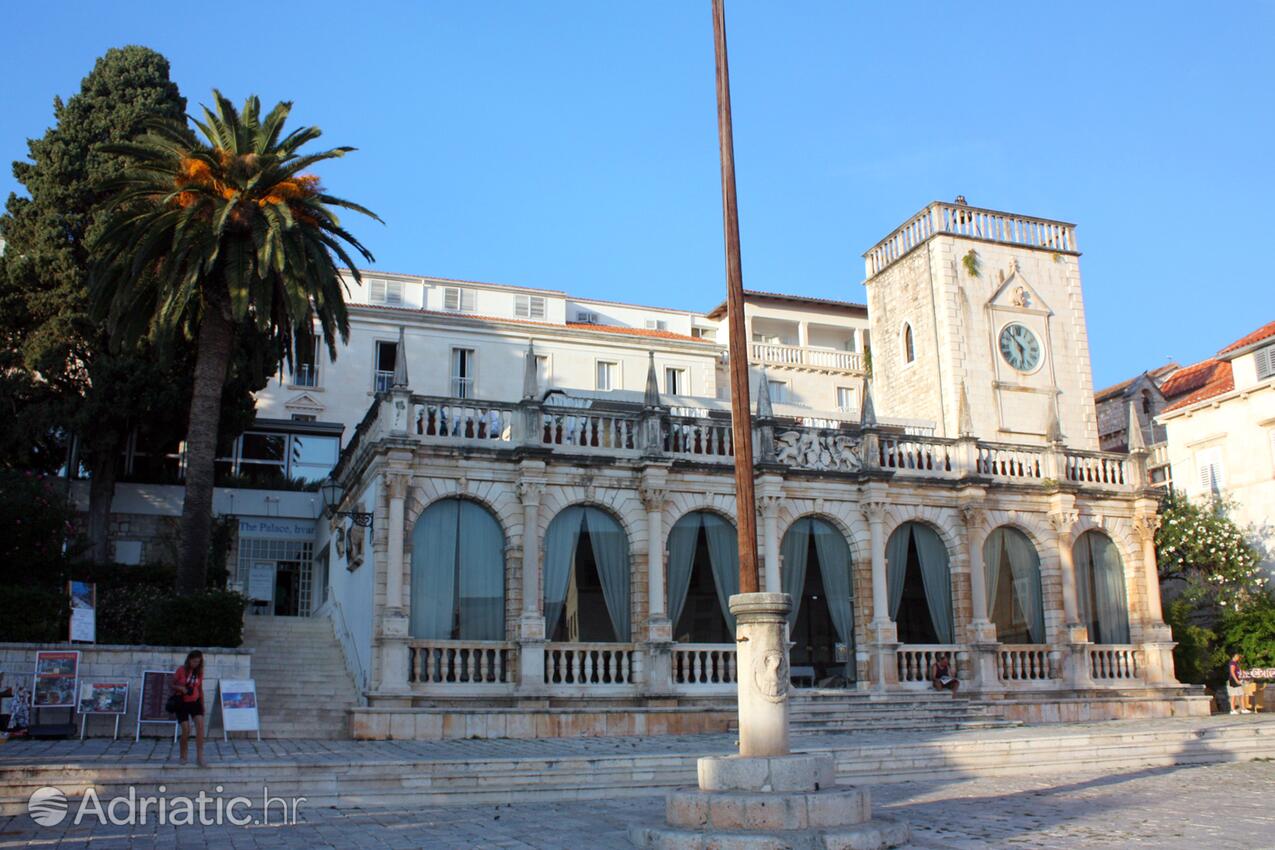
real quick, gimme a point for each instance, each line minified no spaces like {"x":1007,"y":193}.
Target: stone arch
{"x":624,"y":508}
{"x":496,"y":496}
{"x":681,"y":503}
{"x":943,"y":524}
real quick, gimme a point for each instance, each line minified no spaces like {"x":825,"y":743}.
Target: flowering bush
{"x":1199,"y":545}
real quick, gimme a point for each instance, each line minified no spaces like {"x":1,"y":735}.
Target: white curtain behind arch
{"x":896,"y":557}
{"x":682,"y":542}
{"x":1024,"y":565}
{"x":834,"y":567}
{"x":936,"y":575}
{"x":795,"y":550}
{"x":1100,"y":588}
{"x":611,"y":555}
{"x":456,"y":537}
{"x":723,"y":552}
{"x":560,"y":552}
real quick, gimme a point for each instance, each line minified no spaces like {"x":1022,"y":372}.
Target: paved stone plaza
{"x":1217,"y":806}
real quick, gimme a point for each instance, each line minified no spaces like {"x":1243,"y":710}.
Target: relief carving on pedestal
{"x":813,"y":450}
{"x":770,"y":675}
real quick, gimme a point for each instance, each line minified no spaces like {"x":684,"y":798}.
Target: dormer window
{"x":389,"y":292}
{"x":586,"y":317}
{"x":656,"y":325}
{"x":529,"y":306}
{"x":457,"y":300}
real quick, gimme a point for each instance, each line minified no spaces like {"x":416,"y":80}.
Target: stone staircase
{"x":303,"y":687}
{"x":839,"y":710}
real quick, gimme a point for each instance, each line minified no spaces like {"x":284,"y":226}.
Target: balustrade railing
{"x":926,"y":456}
{"x":1024,"y":663}
{"x":457,"y":420}
{"x":1114,"y":662}
{"x":973,"y":223}
{"x":592,"y":664}
{"x":589,"y":430}
{"x":461,"y":663}
{"x":914,"y":661}
{"x":699,"y":439}
{"x":704,"y":666}
{"x":1014,"y":463}
{"x":775,"y":354}
{"x":1108,"y":470}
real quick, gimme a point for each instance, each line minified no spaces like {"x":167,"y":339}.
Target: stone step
{"x":353,"y":773}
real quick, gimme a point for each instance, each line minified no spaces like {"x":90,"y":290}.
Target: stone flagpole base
{"x":767,"y":798}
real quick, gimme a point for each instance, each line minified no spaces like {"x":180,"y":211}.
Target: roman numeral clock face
{"x":1020,"y":347}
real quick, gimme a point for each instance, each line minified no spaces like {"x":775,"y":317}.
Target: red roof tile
{"x":579,"y":326}
{"x":1267,"y":330}
{"x":1198,"y":382}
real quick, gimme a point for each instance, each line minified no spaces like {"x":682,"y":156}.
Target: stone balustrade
{"x":704,"y":667}
{"x":452,"y":666}
{"x":1114,"y":663}
{"x":592,"y":664}
{"x":699,"y":439}
{"x":970,"y":223}
{"x":1011,"y":463}
{"x":805,"y":357}
{"x":1104,"y":468}
{"x":915,"y":660}
{"x":1023,"y":663}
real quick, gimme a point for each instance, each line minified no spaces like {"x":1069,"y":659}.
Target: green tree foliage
{"x":1202,"y":552}
{"x":1251,"y":630}
{"x":1197,"y":658}
{"x":212,"y":235}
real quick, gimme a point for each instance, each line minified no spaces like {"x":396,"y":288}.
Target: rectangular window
{"x":385,"y":291}
{"x":529,"y":306}
{"x":586,"y":317}
{"x":304,"y":417}
{"x":386,"y":357}
{"x":778,"y":392}
{"x":312,"y":456}
{"x":704,"y":333}
{"x":462,"y":373}
{"x":607,"y":375}
{"x":1209,"y":463}
{"x":675,"y":381}
{"x":458,"y":300}
{"x":846,"y":401}
{"x":305,"y":363}
{"x":1265,"y":358}
{"x":656,"y":325}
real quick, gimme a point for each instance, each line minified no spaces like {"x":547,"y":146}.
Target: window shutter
{"x":376,"y":291}
{"x":451,"y":299}
{"x":1265,"y":358}
{"x":394,"y":292}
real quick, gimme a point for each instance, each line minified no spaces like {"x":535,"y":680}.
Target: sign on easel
{"x":83,"y":611}
{"x":156,"y":686}
{"x":238,"y":699}
{"x":109,"y":698}
{"x":55,"y":675}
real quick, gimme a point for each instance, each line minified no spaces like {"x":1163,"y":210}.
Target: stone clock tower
{"x":982,"y":310}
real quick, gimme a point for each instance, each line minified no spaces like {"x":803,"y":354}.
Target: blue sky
{"x":573,"y":145}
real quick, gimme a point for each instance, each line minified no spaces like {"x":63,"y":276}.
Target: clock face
{"x":1020,"y":347}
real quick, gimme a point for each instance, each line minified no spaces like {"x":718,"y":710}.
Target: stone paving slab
{"x":1219,"y":807}
{"x":272,"y":751}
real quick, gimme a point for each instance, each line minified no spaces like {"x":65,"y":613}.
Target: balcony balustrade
{"x":805,"y":357}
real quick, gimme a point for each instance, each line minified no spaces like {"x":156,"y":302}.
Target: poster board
{"x":238,"y":701}
{"x":261,"y":582}
{"x":156,"y":686}
{"x":83,"y":611}
{"x":102,"y":698}
{"x":55,"y":674}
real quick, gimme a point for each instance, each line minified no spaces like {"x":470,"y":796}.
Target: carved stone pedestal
{"x":767,"y":798}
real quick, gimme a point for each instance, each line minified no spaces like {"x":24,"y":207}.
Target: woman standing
{"x":188,"y":682}
{"x":1235,"y":685}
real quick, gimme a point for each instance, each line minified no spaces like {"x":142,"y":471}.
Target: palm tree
{"x":211,"y":235}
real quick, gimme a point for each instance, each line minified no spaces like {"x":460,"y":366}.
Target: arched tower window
{"x":909,"y":350}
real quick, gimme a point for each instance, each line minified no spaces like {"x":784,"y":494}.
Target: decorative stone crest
{"x":1021,"y":297}
{"x":770,"y":674}
{"x":820,"y":451}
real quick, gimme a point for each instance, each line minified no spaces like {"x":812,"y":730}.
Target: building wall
{"x":1240,"y":427}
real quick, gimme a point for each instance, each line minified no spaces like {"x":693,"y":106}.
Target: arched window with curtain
{"x":816,"y":574}
{"x":458,"y":573}
{"x":587,"y":586}
{"x":703,"y":574}
{"x":1011,"y":570}
{"x":1100,"y":588}
{"x":919,"y":584}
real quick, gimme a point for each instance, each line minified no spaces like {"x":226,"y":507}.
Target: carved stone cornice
{"x":1063,"y":521}
{"x":873,"y":510}
{"x":1145,"y":526}
{"x":653,"y":497}
{"x":397,"y":484}
{"x":768,"y":504}
{"x":529,"y":491}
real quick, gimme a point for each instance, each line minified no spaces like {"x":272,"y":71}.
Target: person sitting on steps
{"x":942,"y":674}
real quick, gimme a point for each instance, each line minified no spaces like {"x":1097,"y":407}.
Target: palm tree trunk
{"x":101,"y":494}
{"x":212,"y":358}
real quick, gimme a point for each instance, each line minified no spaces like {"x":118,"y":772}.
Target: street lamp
{"x":333,"y":495}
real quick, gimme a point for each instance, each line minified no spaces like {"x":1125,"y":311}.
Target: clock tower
{"x":987,"y":305}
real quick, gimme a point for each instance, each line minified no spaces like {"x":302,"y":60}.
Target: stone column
{"x":1156,"y":636}
{"x":884,"y":632}
{"x":658,"y":675}
{"x":761,"y":646}
{"x":983,"y":643}
{"x":769,"y":505}
{"x":531,"y":623}
{"x":1074,"y":641}
{"x":392,"y":635}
